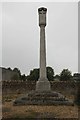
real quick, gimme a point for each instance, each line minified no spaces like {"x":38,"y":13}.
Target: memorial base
{"x":42,"y":98}
{"x":43,"y":85}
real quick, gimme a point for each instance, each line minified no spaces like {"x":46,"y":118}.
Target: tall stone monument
{"x":43,"y":95}
{"x":43,"y":83}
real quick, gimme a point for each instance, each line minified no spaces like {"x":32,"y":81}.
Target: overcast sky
{"x":21,"y":36}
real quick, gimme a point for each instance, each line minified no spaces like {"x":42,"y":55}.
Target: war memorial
{"x":42,"y":95}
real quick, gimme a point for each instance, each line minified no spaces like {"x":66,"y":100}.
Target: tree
{"x":57,"y":77}
{"x":17,"y":71}
{"x":23,"y":77}
{"x":50,"y":73}
{"x":9,"y":69}
{"x":34,"y":74}
{"x":76,"y":76}
{"x":15,"y":77}
{"x":16,"y":74}
{"x":65,"y":75}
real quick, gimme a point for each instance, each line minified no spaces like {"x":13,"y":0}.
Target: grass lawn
{"x":34,"y":111}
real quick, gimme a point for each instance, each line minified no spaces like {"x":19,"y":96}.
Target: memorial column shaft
{"x":42,"y":84}
{"x":42,"y":52}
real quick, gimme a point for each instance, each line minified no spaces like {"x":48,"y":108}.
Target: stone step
{"x":43,"y":98}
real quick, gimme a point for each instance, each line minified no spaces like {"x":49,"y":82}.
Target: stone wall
{"x":23,"y":87}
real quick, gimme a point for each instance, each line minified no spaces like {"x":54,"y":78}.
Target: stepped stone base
{"x":43,"y":98}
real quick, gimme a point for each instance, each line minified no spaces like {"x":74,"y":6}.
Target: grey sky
{"x":20,"y":36}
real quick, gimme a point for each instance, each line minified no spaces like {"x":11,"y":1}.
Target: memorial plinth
{"x":43,"y":94}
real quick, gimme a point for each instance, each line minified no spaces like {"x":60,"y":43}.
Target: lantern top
{"x":42,"y":9}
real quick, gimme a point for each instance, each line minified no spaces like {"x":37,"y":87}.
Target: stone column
{"x":43,"y":83}
{"x":42,"y":53}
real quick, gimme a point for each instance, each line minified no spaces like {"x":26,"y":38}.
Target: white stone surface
{"x":43,"y":83}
